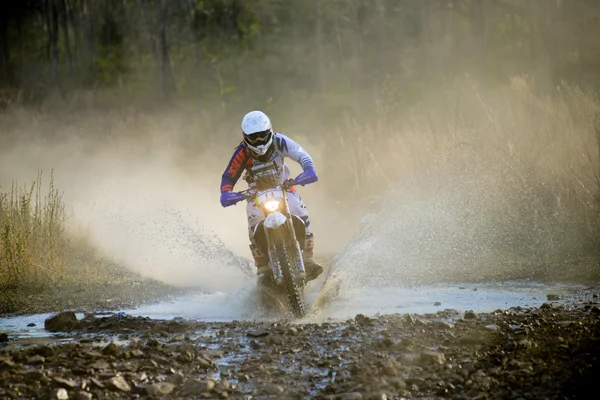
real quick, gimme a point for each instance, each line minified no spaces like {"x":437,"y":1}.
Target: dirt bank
{"x":116,"y":288}
{"x":546,"y":352}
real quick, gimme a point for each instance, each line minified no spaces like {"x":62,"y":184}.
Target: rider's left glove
{"x":307,"y":177}
{"x":231,"y":198}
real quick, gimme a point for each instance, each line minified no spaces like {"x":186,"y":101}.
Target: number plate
{"x":267,"y":195}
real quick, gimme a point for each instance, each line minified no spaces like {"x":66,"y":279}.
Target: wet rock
{"x":45,"y":351}
{"x":33,"y":375}
{"x":292,"y":331}
{"x":61,"y":322}
{"x":176,"y":379}
{"x":432,"y":357}
{"x":492,"y":327}
{"x":273,"y":389}
{"x":35,"y":360}
{"x":255,"y":345}
{"x":118,"y":384}
{"x":6,"y":363}
{"x":257,"y":333}
{"x":64,"y":383}
{"x":60,"y":394}
{"x":470,"y":315}
{"x":159,"y":389}
{"x":443,"y":326}
{"x":100,"y":365}
{"x":552,"y":297}
{"x":82,"y":395}
{"x":110,"y":349}
{"x":195,"y":388}
{"x":31,"y":324}
{"x":3,"y":337}
{"x":348,"y":396}
{"x":437,"y":304}
{"x":362,"y":320}
{"x":97,"y":383}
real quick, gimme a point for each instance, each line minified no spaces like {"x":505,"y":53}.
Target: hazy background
{"x":469,"y":126}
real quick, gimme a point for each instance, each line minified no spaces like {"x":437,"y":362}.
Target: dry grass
{"x":32,"y":241}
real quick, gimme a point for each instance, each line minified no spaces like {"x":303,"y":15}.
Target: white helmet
{"x":258,"y":132}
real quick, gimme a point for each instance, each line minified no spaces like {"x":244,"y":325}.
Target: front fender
{"x":275,"y":220}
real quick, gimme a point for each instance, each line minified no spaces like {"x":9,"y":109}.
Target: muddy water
{"x":370,"y":301}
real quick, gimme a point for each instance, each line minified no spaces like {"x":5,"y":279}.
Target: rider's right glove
{"x":306,"y":177}
{"x":231,"y":198}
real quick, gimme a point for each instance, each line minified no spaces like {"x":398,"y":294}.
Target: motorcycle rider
{"x":262,"y":145}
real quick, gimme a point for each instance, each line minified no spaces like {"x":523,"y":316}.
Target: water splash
{"x":469,"y":218}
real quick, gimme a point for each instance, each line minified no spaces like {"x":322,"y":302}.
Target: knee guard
{"x":309,"y":246}
{"x":260,"y":259}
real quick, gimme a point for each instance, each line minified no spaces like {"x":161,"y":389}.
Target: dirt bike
{"x":280,"y":235}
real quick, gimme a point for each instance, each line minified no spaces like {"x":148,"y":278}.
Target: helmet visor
{"x":258,"y":138}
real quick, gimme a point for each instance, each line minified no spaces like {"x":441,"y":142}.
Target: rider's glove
{"x":307,"y":177}
{"x":231,"y":198}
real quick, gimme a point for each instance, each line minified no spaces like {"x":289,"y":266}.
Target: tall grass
{"x":32,"y":238}
{"x":504,"y":181}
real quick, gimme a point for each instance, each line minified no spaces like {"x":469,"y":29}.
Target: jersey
{"x":242,"y":160}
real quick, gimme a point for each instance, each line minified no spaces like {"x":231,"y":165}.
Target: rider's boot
{"x":313,"y":269}
{"x":261,"y":262}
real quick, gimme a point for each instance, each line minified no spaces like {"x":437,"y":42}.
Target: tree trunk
{"x":64,"y":22}
{"x":54,"y":40}
{"x":166,"y":73}
{"x":6,"y":69}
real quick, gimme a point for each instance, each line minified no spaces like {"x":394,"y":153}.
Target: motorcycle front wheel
{"x":293,"y":289}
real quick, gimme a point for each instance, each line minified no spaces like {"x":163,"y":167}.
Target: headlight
{"x":271,"y":205}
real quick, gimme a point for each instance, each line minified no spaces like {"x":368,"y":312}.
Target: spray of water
{"x":470,"y":218}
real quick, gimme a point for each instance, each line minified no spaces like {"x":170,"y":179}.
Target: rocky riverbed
{"x":550,"y":351}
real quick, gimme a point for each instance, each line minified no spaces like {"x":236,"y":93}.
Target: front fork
{"x":285,"y":235}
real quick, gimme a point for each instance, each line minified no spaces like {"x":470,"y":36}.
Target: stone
{"x":437,"y":304}
{"x":443,"y":326}
{"x":349,"y":396}
{"x":35,"y":360}
{"x":552,"y":297}
{"x":110,"y":349}
{"x":60,"y":394}
{"x":100,"y":365}
{"x":6,"y":362}
{"x":64,"y":383}
{"x":292,"y":331}
{"x":176,"y":379}
{"x":61,"y":322}
{"x":257,"y":333}
{"x":362,"y":320}
{"x":3,"y":337}
{"x":470,"y":315}
{"x":432,"y":357}
{"x":82,"y":395}
{"x":118,"y":383}
{"x":195,"y":388}
{"x":159,"y":389}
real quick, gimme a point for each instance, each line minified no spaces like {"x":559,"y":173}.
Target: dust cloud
{"x":145,"y":190}
{"x":513,"y":197}
{"x":458,"y":194}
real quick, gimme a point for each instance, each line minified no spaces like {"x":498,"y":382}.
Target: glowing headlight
{"x":271,"y":205}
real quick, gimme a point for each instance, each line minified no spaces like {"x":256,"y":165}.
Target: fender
{"x":275,"y":220}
